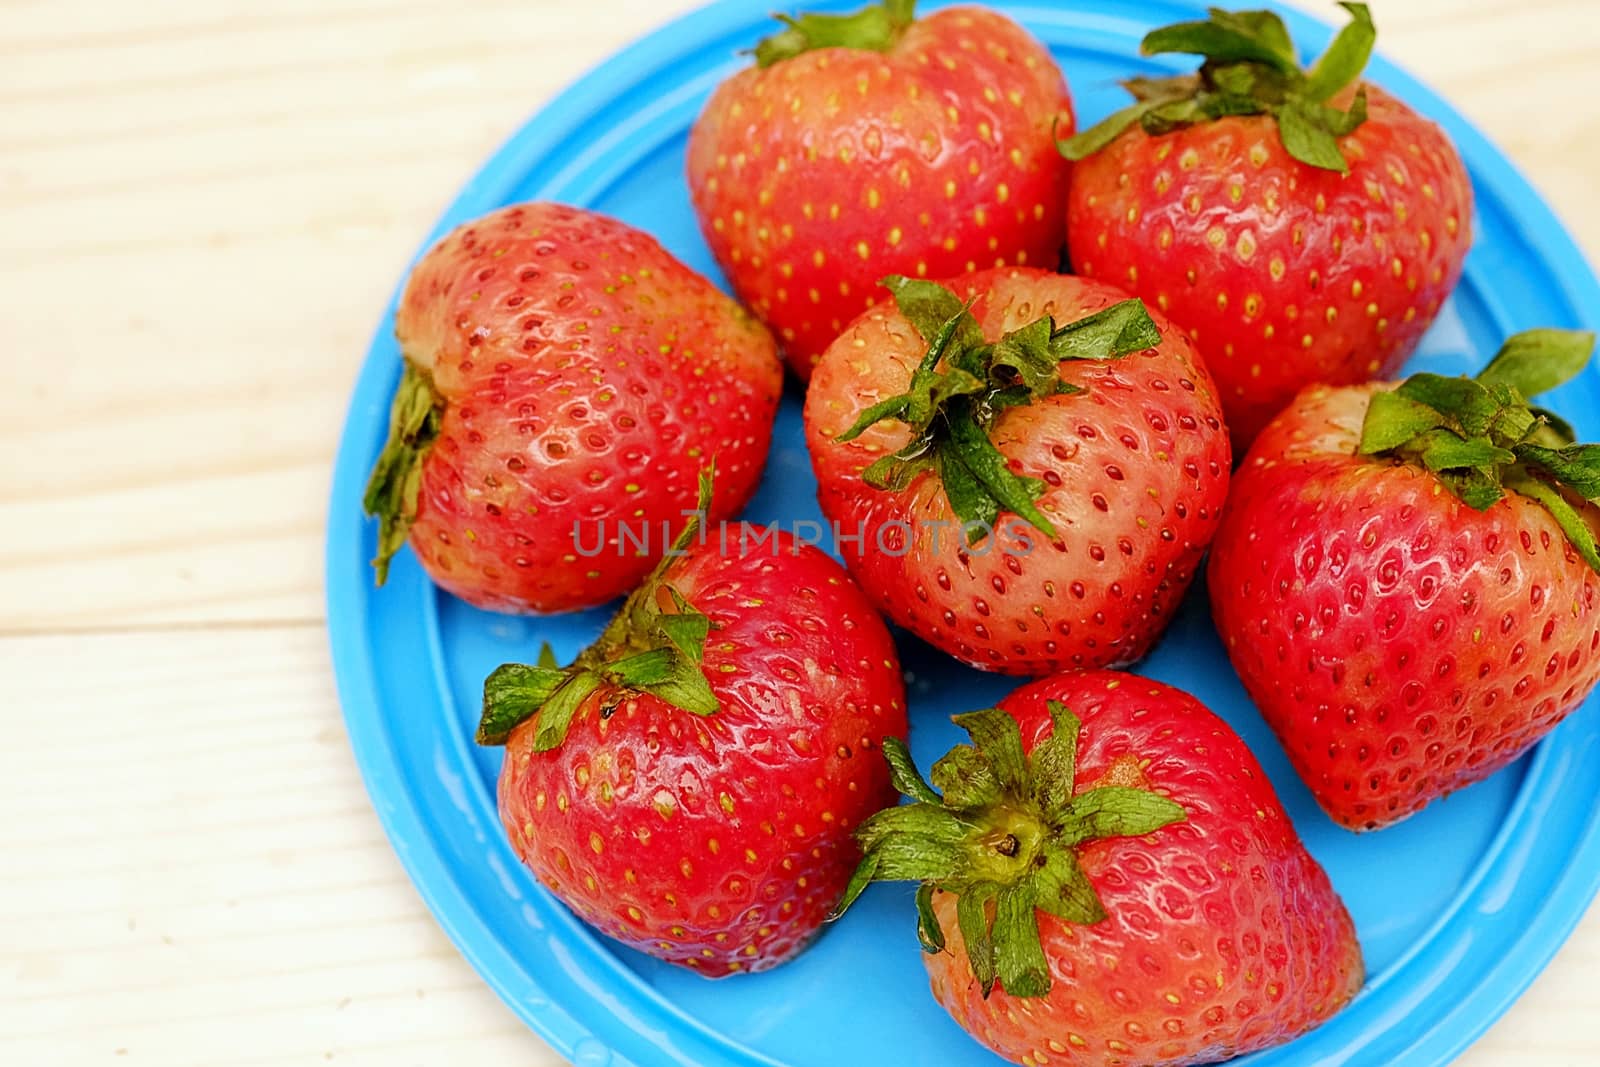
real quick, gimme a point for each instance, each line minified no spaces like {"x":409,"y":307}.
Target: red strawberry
{"x":689,"y":785}
{"x":564,"y":375}
{"x":1296,"y":243}
{"x":869,"y":144}
{"x":1089,"y":485}
{"x":1129,"y":892}
{"x":1405,"y":624}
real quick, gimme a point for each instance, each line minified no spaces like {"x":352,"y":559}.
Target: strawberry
{"x":1027,"y":481}
{"x":1295,"y":241}
{"x":564,"y":376}
{"x":1405,"y":578}
{"x":690,"y":783}
{"x":867,"y":144}
{"x":1108,"y":877}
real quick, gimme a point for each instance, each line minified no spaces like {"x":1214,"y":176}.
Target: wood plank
{"x":202,"y":211}
{"x":196,"y":876}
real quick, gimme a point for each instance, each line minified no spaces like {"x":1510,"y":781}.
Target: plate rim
{"x":348,"y":591}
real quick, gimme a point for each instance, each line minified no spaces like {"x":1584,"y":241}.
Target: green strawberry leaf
{"x":1572,"y":524}
{"x":921,"y":842}
{"x":990,"y":470}
{"x":1019,"y":955}
{"x":972,"y":915}
{"x":1053,"y":764}
{"x":1346,"y":57}
{"x":1086,"y":143}
{"x":1393,"y":419}
{"x":968,"y":499}
{"x":513,"y":693}
{"x":895,"y":472}
{"x":1340,"y":123}
{"x":1119,"y":330}
{"x":865,"y":874}
{"x":685,"y":631}
{"x":1167,"y":115}
{"x":1026,"y":354}
{"x":1249,"y":68}
{"x":1254,"y":36}
{"x":1467,"y":404}
{"x":1477,"y":489}
{"x":934,"y":311}
{"x":1003,"y":839}
{"x":1441,"y":450}
{"x":1577,"y":467}
{"x":928,"y":825}
{"x":1118,"y":811}
{"x":875,"y":29}
{"x":391,"y":493}
{"x":929,"y":932}
{"x":999,"y":743}
{"x":929,"y":389}
{"x":1061,"y":888}
{"x":691,"y":529}
{"x":556,"y":712}
{"x":894,"y":407}
{"x":1536,"y":361}
{"x":642,"y":669}
{"x":965,"y":779}
{"x":683,"y":685}
{"x":962,"y":383}
{"x":1550,"y":429}
{"x":643,"y":649}
{"x":1263,"y":26}
{"x":1481,"y":437}
{"x":903,"y":772}
{"x":1309,"y":140}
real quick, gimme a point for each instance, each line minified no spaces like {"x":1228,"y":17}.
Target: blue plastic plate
{"x":1458,"y":909}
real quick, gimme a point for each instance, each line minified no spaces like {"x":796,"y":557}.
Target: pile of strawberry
{"x":1025,"y":469}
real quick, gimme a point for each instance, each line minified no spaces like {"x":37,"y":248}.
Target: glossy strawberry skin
{"x":819,"y":175}
{"x":1136,"y":471}
{"x":587,"y":376}
{"x":1401,"y":644}
{"x":721,"y":843}
{"x":1284,"y":274}
{"x":1223,"y":934}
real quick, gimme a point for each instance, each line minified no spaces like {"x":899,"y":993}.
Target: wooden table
{"x":203,"y":207}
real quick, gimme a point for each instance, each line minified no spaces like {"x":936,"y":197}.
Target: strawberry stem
{"x":1480,"y":436}
{"x":654,"y":644}
{"x":961,"y":385}
{"x":1002,"y":830}
{"x":875,"y":28}
{"x":1249,"y":68}
{"x":396,"y":477}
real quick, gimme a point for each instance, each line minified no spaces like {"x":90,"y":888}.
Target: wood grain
{"x":203,"y":208}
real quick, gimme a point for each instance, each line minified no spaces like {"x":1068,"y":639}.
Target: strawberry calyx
{"x":1481,"y":437}
{"x":1001,"y":831}
{"x":874,"y":28}
{"x":963,"y":383}
{"x":654,"y":644}
{"x":396,"y":478}
{"x":1249,"y":68}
